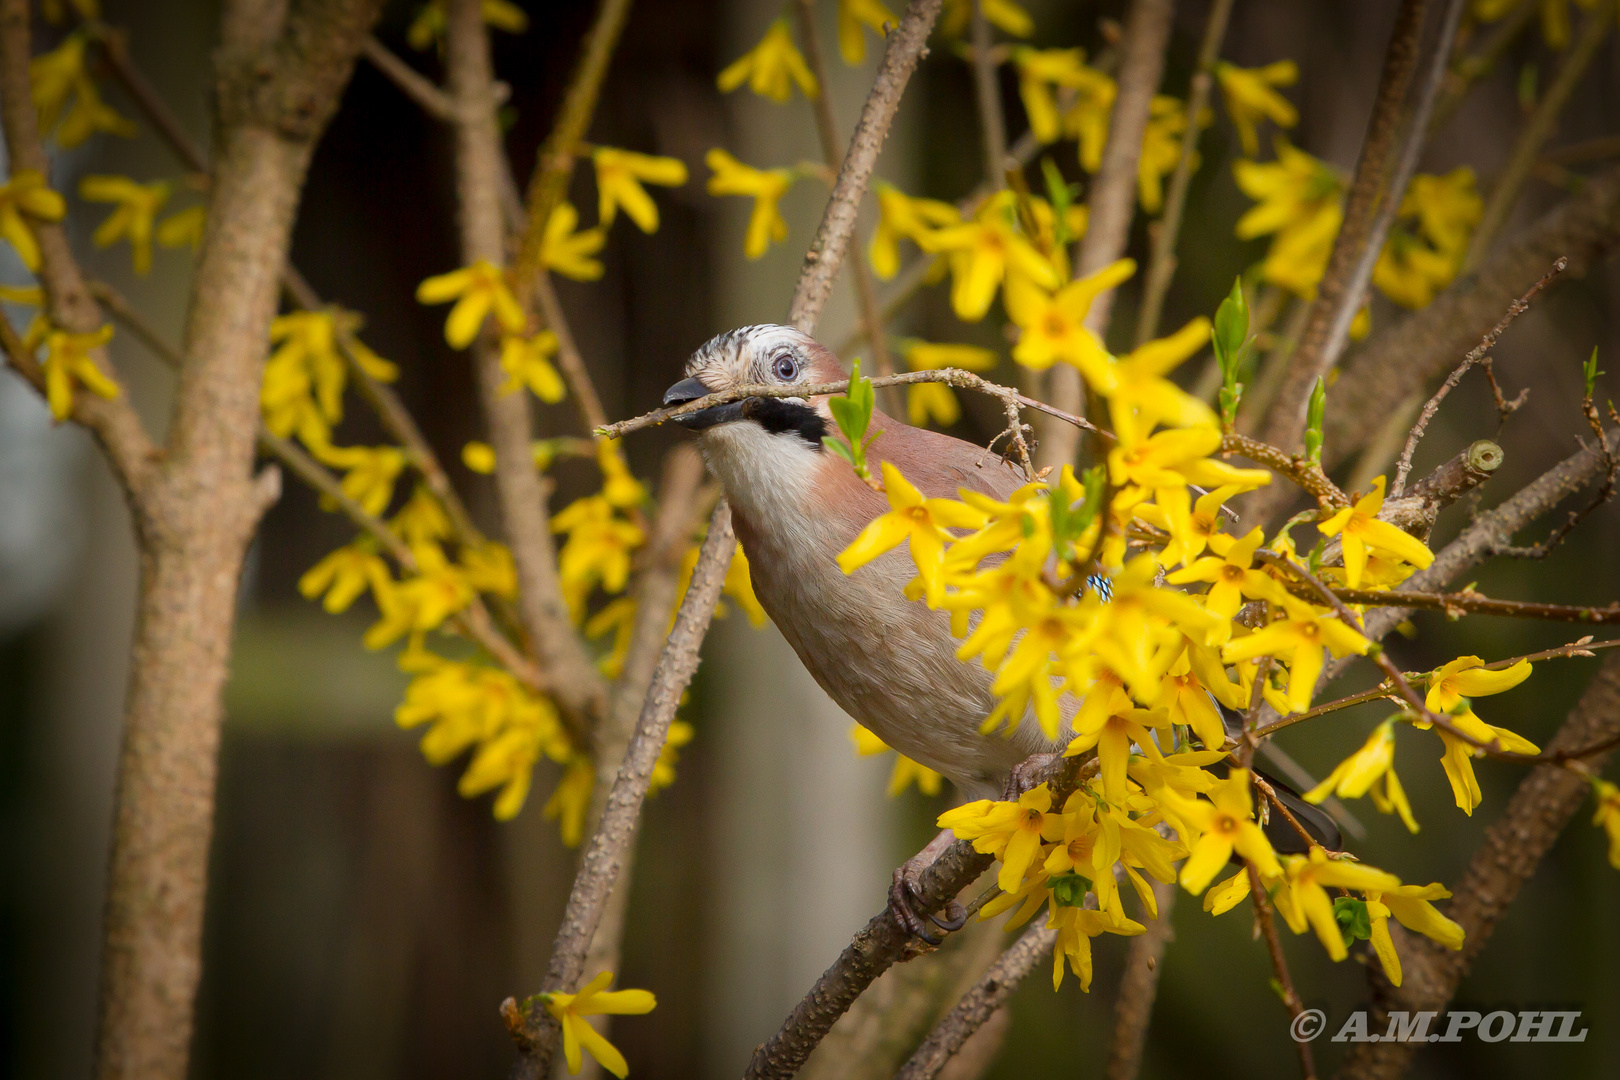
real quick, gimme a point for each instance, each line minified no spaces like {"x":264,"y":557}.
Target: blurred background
{"x":365,"y":921}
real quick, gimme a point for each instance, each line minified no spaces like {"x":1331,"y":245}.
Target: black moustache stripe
{"x":780,"y":416}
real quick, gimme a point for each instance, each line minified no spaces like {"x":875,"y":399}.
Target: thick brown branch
{"x":571,"y":678}
{"x":1512,"y":849}
{"x":1112,"y":199}
{"x":1368,"y":189}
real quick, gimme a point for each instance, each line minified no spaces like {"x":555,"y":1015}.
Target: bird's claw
{"x":903,"y":901}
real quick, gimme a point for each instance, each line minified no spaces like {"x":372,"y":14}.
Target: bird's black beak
{"x":692,"y":389}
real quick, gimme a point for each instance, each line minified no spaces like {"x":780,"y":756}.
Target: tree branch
{"x":571,"y":679}
{"x":599,"y":866}
{"x":1112,"y":199}
{"x":1368,"y":190}
{"x":1139,"y":985}
{"x":979,"y":1003}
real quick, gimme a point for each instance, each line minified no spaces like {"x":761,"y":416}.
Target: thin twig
{"x":599,"y":865}
{"x":549,"y":185}
{"x":574,"y":371}
{"x":1162,"y":261}
{"x":1285,"y":983}
{"x":1301,"y":471}
{"x":1475,"y":355}
{"x":980,"y":1003}
{"x":956,"y":377}
{"x":1543,"y":121}
{"x":832,"y":150}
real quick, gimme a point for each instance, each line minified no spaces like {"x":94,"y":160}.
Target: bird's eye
{"x":785,"y":367}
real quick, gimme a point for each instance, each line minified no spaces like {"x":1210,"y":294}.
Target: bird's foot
{"x":905,"y":894}
{"x":1027,"y":774}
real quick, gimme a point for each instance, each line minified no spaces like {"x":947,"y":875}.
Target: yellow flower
{"x":772,"y":68}
{"x":1303,"y":900}
{"x":663,"y":770}
{"x":1299,"y":640}
{"x":905,"y":770}
{"x":419,"y":603}
{"x":57,"y":75}
{"x":1009,"y":831}
{"x":1467,"y":677}
{"x":183,"y":229}
{"x":597,"y":552}
{"x":1298,"y":256}
{"x":593,"y":999}
{"x":921,"y":521}
{"x":1232,"y":578}
{"x":27,"y":295}
{"x":1003,"y":14}
{"x":1251,"y":96}
{"x":1076,"y":927}
{"x":428,"y":25}
{"x":344,"y":574}
{"x":619,"y":487}
{"x":477,"y":290}
{"x":570,"y":799}
{"x":1114,"y":738}
{"x":1087,"y":119}
{"x":371,"y":472}
{"x":68,"y":362}
{"x":934,"y":402}
{"x":422,"y":520}
{"x":524,"y":359}
{"x":1052,"y":325}
{"x":1410,"y":272}
{"x":1291,"y":190}
{"x":1409,"y":904}
{"x":619,"y":176}
{"x":1450,"y":686}
{"x":1039,"y":70}
{"x":489,"y":568}
{"x":1177,"y":457}
{"x":765,"y":186}
{"x":739,"y":585}
{"x":568,"y":252}
{"x":901,"y":216}
{"x":137,"y":205}
{"x":1446,"y":207}
{"x":1139,"y":395}
{"x":26,"y":193}
{"x":852,"y":15}
{"x":1227,"y":825}
{"x":985,"y":251}
{"x":1357,"y":774}
{"x":1161,"y":149}
{"x":1608,"y":815}
{"x":1360,"y":531}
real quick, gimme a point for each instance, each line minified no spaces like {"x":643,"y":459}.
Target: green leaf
{"x":1354,"y":921}
{"x":1590,"y":370}
{"x":1069,"y":889}
{"x":1313,"y":422}
{"x":852,"y":412}
{"x":1062,"y":195}
{"x":1231,"y":327}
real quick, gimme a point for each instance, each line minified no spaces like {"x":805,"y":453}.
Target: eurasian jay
{"x":887,"y":661}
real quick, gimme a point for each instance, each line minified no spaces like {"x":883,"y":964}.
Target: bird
{"x":888,"y":661}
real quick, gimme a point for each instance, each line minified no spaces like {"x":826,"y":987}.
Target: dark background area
{"x":365,"y":921}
